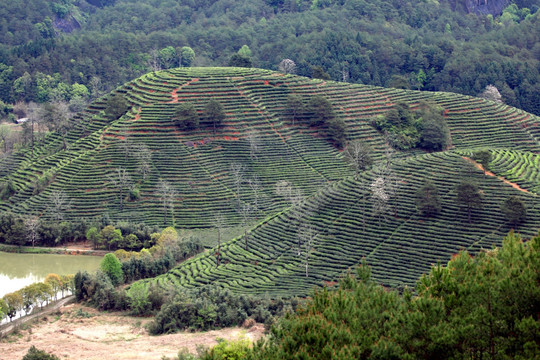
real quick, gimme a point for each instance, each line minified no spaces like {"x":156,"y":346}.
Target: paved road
{"x":9,"y":327}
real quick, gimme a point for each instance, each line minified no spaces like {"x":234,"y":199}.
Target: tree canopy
{"x":425,"y":45}
{"x":112,"y":267}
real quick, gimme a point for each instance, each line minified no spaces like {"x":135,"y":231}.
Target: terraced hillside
{"x":198,"y":163}
{"x":400,"y":246}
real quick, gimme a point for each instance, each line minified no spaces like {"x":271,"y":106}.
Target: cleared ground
{"x":83,"y":333}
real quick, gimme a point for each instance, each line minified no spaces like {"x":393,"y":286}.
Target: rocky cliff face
{"x":485,"y":7}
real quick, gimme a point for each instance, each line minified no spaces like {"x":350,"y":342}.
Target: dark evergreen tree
{"x":469,"y":196}
{"x":214,"y":113}
{"x":319,"y":111}
{"x":515,"y":210}
{"x":186,"y":117}
{"x":428,"y":201}
{"x":116,"y":107}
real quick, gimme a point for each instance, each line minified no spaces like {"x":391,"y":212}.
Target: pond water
{"x":19,"y":270}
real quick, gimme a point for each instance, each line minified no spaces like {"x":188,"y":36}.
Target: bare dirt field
{"x":84,"y":333}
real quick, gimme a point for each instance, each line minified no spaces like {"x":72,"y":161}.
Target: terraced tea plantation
{"x":198,"y":165}
{"x":399,"y":245}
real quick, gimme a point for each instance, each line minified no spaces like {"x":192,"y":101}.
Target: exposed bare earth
{"x":109,"y":336}
{"x":489,"y":173}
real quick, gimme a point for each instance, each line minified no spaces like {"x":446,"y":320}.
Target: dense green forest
{"x":66,"y":49}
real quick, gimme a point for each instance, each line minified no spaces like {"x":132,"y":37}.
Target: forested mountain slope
{"x":47,"y":46}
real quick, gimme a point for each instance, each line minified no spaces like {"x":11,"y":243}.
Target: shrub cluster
{"x":317,"y":111}
{"x":211,"y":307}
{"x":100,"y":231}
{"x":424,"y":127}
{"x":99,"y":289}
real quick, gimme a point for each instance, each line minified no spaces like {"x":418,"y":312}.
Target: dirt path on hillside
{"x":84,"y":333}
{"x":489,"y":173}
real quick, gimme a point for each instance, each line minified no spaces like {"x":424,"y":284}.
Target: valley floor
{"x":83,"y":333}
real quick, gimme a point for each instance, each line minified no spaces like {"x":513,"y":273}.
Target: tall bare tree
{"x":167,"y":195}
{"x":59,"y":204}
{"x":32,"y":225}
{"x":287,"y":66}
{"x":256,"y":189}
{"x":237,"y":173}
{"x":219,"y":224}
{"x":121,"y":181}
{"x":5,"y":137}
{"x":154,"y":62}
{"x":358,"y":155}
{"x":144,"y":157}
{"x":254,"y":141}
{"x":307,"y":236}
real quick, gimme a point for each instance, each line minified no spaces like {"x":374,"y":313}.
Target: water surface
{"x":19,"y":270}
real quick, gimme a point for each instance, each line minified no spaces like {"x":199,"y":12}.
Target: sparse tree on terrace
{"x":515,"y":210}
{"x":428,"y":201}
{"x":185,"y":116}
{"x":5,"y":136}
{"x":187,"y":56}
{"x":121,"y":181}
{"x":380,"y":196}
{"x":484,"y":158}
{"x":167,"y":195}
{"x":59,"y":203}
{"x":144,"y":157}
{"x":469,"y":196}
{"x":358,"y":155}
{"x":237,"y":173}
{"x":294,"y":107}
{"x":491,"y":93}
{"x":214,"y":112}
{"x":255,"y":185}
{"x":154,"y":63}
{"x":219,"y":224}
{"x":306,"y":240}
{"x":254,"y":143}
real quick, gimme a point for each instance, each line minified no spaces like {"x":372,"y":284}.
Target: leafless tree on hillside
{"x":59,"y":204}
{"x":154,"y":62}
{"x":144,"y":157}
{"x":237,"y":173}
{"x":358,"y":155}
{"x":121,"y":181}
{"x":32,"y":225}
{"x":219,"y":224}
{"x":287,"y":66}
{"x":254,"y":141}
{"x":167,"y":195}
{"x":307,"y":236}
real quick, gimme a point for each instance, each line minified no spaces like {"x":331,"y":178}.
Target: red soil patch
{"x":121,"y":137}
{"x":266,"y":82}
{"x":489,"y":173}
